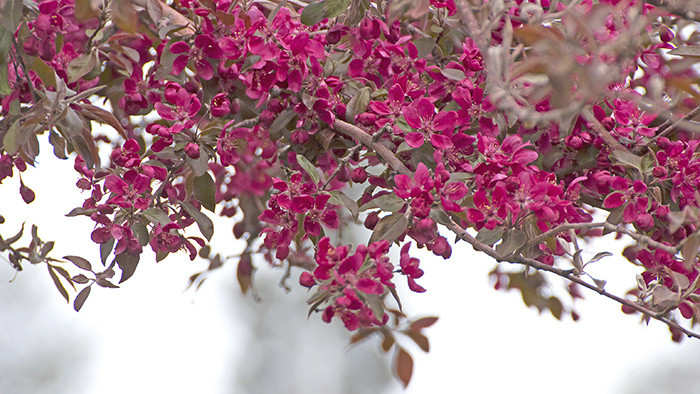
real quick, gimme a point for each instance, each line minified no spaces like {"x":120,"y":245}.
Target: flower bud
{"x":192,"y":150}
{"x":359,"y":175}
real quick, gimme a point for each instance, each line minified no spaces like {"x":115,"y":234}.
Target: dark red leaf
{"x":80,"y":298}
{"x":79,"y":262}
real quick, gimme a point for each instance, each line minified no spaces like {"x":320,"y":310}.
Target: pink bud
{"x":307,"y":280}
{"x":192,"y":150}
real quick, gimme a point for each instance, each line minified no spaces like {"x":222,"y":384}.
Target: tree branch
{"x":385,"y":153}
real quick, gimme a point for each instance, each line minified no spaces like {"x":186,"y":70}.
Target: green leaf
{"x":156,"y":216}
{"x":206,"y":226}
{"x":387,"y":202}
{"x":489,"y":237}
{"x":357,"y":104}
{"x":627,"y":158}
{"x":342,"y":199}
{"x":141,"y":232}
{"x":453,"y":74}
{"x":11,"y":11}
{"x":199,"y":166}
{"x":81,"y":66}
{"x":425,"y":46}
{"x":106,"y":249}
{"x":127,"y":262}
{"x":309,"y":168}
{"x":278,"y":127}
{"x":205,"y":191}
{"x":335,"y":7}
{"x":513,"y":240}
{"x":5,"y":88}
{"x":390,"y":228}
{"x":313,"y":13}
{"x":11,"y":141}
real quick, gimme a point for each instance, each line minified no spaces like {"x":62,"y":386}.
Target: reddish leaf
{"x":105,"y":283}
{"x":423,"y":322}
{"x":388,"y":341}
{"x":360,"y":335}
{"x":420,"y":340}
{"x":403,"y":366}
{"x":79,"y":262}
{"x":57,"y":282}
{"x":80,"y":298}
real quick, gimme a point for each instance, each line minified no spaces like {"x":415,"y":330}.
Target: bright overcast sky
{"x":152,"y":336}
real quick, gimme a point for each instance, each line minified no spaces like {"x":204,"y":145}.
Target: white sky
{"x":151,"y":336}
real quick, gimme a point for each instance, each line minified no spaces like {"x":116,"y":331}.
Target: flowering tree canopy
{"x":520,"y":128}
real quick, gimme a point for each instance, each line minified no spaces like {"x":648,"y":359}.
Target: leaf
{"x":280,"y":124}
{"x":360,"y":335}
{"x":62,"y":271}
{"x":335,"y":7}
{"x":600,"y":283}
{"x":341,"y":198}
{"x":453,"y":74}
{"x":423,"y":322}
{"x":599,"y":256}
{"x":127,"y":262}
{"x":205,"y":191}
{"x":309,"y":168}
{"x":627,"y":158}
{"x":420,"y":340}
{"x":388,"y":340}
{"x":5,"y":87}
{"x":12,"y":139}
{"x":376,"y":304}
{"x":690,"y":51}
{"x":102,"y":282}
{"x":59,"y":145}
{"x":489,"y":237}
{"x":156,"y":216}
{"x":81,"y":66}
{"x":199,"y":166}
{"x":425,"y":46}
{"x":11,"y":11}
{"x":690,"y":250}
{"x":80,"y":279}
{"x":403,"y":366}
{"x":106,"y":249}
{"x":513,"y":240}
{"x":313,"y":13}
{"x":80,"y":298}
{"x":390,"y":228}
{"x":387,"y":202}
{"x":96,"y":113}
{"x":663,"y":298}
{"x":555,"y":307}
{"x":141,"y":232}
{"x":124,"y":16}
{"x":357,"y":104}
{"x":45,"y":72}
{"x":206,"y":226}
{"x":57,"y":282}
